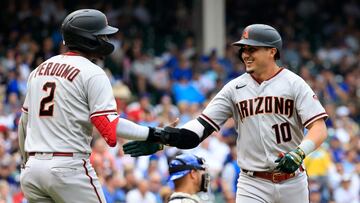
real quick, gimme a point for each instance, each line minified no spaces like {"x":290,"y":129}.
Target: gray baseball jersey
{"x":63,"y":93}
{"x":180,"y":197}
{"x":270,"y":117}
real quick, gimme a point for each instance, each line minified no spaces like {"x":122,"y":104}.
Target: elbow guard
{"x":106,"y":128}
{"x":180,"y":138}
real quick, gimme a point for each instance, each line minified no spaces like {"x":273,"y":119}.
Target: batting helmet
{"x":182,"y":164}
{"x":84,"y":29}
{"x":261,"y":35}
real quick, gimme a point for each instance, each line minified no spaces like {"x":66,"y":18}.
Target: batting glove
{"x":291,"y":161}
{"x":141,"y":148}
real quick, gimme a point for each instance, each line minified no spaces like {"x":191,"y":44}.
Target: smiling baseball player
{"x":271,"y":107}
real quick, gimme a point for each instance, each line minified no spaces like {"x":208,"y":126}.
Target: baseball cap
{"x":342,"y":111}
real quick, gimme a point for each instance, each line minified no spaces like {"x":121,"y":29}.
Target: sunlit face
{"x":256,"y":58}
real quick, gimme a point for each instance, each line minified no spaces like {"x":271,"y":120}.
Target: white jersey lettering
{"x":56,"y":69}
{"x":60,"y":100}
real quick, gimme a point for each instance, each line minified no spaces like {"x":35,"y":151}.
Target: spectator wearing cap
{"x":344,"y":193}
{"x":346,"y":128}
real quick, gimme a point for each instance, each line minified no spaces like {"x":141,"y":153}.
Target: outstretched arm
{"x":187,"y":137}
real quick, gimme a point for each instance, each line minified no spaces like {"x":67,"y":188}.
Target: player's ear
{"x":193,"y":174}
{"x":273,"y":52}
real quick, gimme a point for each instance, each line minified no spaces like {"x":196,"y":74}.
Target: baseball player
{"x":271,"y":107}
{"x":190,"y":176}
{"x":67,"y":95}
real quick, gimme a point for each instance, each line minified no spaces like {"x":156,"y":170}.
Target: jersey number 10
{"x":282,"y":131}
{"x":47,"y":109}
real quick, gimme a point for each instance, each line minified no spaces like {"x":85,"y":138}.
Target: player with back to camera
{"x":66,"y":96}
{"x":271,"y":106}
{"x":190,"y":176}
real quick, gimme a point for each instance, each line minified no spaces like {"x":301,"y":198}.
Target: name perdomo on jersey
{"x":263,"y":105}
{"x":56,"y":69}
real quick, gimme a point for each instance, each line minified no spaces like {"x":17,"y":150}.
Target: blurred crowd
{"x":159,"y":75}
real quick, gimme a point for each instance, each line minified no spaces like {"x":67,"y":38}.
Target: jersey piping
{"x":322,"y":115}
{"x":211,"y":122}
{"x":101,"y":113}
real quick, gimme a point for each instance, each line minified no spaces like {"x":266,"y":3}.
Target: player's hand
{"x":291,"y":161}
{"x":141,"y":148}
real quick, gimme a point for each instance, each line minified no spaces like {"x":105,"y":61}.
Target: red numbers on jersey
{"x":46,"y":104}
{"x":282,"y":131}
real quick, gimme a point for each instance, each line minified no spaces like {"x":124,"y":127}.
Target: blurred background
{"x":170,"y":58}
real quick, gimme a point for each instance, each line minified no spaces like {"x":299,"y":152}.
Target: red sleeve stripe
{"x":24,"y":109}
{"x":211,"y":122}
{"x":322,"y":115}
{"x":101,"y":113}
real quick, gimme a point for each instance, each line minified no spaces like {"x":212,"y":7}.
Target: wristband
{"x":307,"y":146}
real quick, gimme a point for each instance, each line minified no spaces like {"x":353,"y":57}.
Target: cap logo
{"x":245,"y":34}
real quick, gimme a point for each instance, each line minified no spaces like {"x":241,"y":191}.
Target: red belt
{"x":275,"y":177}
{"x":69,"y":154}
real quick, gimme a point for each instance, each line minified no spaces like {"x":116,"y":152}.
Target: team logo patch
{"x":245,"y":34}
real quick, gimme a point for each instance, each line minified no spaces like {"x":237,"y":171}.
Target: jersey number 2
{"x":282,"y":131}
{"x":49,"y":111}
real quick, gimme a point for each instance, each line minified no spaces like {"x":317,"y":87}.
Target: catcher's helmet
{"x":182,"y":164}
{"x":261,"y":35}
{"x":84,"y":29}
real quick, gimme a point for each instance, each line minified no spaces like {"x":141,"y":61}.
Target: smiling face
{"x":256,"y":58}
